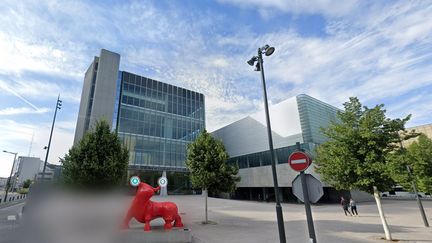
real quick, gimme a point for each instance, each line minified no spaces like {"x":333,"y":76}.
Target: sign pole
{"x":420,"y":205}
{"x":309,"y":218}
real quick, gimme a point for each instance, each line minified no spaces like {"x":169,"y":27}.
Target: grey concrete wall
{"x":28,"y":168}
{"x":85,"y":99}
{"x":248,"y":136}
{"x":262,"y":176}
{"x":360,"y":196}
{"x":106,"y":86}
{"x":104,"y":93}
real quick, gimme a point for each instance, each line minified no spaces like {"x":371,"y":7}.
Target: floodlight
{"x":252,"y":61}
{"x":257,"y":67}
{"x":269,"y":51}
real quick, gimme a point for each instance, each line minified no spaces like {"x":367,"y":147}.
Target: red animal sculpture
{"x":144,"y":210}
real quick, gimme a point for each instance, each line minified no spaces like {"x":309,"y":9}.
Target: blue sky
{"x":378,"y":51}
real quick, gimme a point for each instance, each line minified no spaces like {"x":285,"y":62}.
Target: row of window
{"x":158,"y":125}
{"x":154,"y":151}
{"x":154,"y":94}
{"x":117,"y":101}
{"x":133,"y":113}
{"x":158,"y":159}
{"x":159,"y":86}
{"x":264,"y":158}
{"x":143,"y":143}
{"x":90,"y":101}
{"x":194,"y":111}
{"x":314,"y":115}
{"x":142,"y":103}
{"x":158,"y":130}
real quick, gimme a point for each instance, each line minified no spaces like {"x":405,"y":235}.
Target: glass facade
{"x":156,"y":121}
{"x":314,"y":115}
{"x":264,"y":158}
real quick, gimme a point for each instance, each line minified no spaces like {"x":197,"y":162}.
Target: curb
{"x":10,"y":204}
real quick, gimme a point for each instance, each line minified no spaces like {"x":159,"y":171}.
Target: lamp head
{"x":257,"y":67}
{"x":252,"y":61}
{"x":269,"y":50}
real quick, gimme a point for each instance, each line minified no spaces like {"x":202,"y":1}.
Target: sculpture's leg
{"x":168,"y":223}
{"x":126,"y":221}
{"x":147,"y":225}
{"x":178,"y":222}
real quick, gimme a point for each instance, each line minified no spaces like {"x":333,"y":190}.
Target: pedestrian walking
{"x":353,"y":207}
{"x":344,"y":203}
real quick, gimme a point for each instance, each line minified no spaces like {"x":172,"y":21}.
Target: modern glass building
{"x":298,"y":119}
{"x":155,"y":120}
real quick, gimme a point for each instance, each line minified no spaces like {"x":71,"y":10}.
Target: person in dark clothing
{"x":344,"y":203}
{"x":353,"y":207}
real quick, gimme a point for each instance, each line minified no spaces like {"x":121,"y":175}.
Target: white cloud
{"x":22,"y":110}
{"x":40,"y":90}
{"x":17,"y":137}
{"x":325,"y":7}
{"x":376,"y":51}
{"x":20,"y":55}
{"x":366,"y":57}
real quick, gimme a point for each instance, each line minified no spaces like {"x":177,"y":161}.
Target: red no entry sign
{"x":299,"y":161}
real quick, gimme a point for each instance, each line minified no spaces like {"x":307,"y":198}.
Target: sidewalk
{"x":246,"y":221}
{"x":9,"y":204}
{"x":14,"y":199}
{"x":71,"y":216}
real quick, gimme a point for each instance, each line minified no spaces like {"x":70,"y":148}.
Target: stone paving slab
{"x":157,"y":235}
{"x":246,"y":221}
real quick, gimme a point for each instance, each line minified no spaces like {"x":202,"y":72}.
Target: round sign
{"x":163,"y":181}
{"x":299,"y":161}
{"x":134,"y":181}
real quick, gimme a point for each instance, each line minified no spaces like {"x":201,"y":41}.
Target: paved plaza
{"x":246,"y":221}
{"x":232,"y":220}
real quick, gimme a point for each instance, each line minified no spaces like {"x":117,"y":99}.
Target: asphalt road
{"x":9,"y":221}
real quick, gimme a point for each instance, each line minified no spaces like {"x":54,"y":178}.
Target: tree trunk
{"x":205,"y":192}
{"x":381,"y":214}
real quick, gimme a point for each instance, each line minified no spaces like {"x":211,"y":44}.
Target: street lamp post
{"x":414,"y":186}
{"x":58,"y":107}
{"x":10,"y":177}
{"x":267,"y":50}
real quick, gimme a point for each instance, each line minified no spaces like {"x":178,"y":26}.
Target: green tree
{"x":419,"y":157}
{"x":356,"y":154}
{"x":98,"y":161}
{"x":206,"y":160}
{"x":27,"y":183}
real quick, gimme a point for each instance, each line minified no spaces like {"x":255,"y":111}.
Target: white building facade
{"x":298,"y":119}
{"x":28,"y":168}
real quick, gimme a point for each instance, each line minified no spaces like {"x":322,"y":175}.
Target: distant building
{"x":28,"y":168}
{"x":298,"y":119}
{"x":155,"y":120}
{"x":425,"y":129}
{"x":52,"y":172}
{"x":3,"y":181}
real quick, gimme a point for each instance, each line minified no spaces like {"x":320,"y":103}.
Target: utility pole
{"x":58,"y":107}
{"x":8,"y":183}
{"x":267,"y":50}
